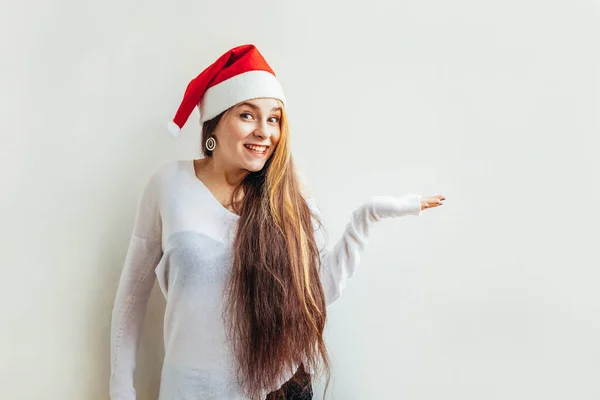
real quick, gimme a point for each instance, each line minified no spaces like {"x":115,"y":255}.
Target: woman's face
{"x":252,"y":123}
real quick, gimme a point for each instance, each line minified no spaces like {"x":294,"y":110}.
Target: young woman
{"x":238,"y":249}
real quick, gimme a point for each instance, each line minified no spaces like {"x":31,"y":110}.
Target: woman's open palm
{"x":431,"y":202}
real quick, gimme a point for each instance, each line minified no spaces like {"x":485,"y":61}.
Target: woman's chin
{"x":254,"y":166}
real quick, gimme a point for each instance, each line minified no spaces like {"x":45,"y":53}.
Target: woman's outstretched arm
{"x":340,"y":261}
{"x":133,"y":292}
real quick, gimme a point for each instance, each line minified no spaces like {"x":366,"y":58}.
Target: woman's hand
{"x":431,"y":202}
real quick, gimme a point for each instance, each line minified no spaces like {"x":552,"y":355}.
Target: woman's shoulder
{"x":165,"y":174}
{"x":166,"y":169}
{"x":303,"y":184}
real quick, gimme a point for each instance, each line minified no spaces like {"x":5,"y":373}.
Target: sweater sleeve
{"x":340,"y":261}
{"x":135,"y":285}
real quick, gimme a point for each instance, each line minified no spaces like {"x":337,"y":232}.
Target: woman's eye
{"x":248,"y":116}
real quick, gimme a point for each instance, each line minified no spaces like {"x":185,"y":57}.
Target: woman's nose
{"x":262,"y":130}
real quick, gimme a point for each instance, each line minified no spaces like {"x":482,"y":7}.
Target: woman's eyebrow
{"x":255,"y":107}
{"x":249,"y":105}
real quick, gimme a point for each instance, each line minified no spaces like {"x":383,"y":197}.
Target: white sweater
{"x":182,"y":238}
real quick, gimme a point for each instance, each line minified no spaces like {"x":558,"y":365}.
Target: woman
{"x":238,"y":250}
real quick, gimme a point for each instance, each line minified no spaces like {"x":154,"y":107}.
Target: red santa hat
{"x":240,"y":74}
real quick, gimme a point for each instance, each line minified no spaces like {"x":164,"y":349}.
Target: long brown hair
{"x":275,"y":304}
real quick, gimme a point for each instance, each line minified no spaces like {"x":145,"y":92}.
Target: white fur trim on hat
{"x":246,"y":86}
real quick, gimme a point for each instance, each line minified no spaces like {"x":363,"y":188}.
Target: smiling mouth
{"x":257,"y":150}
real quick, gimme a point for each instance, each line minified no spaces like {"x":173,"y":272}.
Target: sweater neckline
{"x":208,"y":192}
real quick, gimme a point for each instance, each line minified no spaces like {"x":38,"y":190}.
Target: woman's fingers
{"x":430,"y":202}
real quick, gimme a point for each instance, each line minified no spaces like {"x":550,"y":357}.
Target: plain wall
{"x":493,"y":104}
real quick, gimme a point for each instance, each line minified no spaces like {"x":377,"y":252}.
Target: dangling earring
{"x":211,"y":143}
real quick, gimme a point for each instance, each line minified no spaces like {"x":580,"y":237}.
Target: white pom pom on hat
{"x":174,"y":130}
{"x":242,"y":73}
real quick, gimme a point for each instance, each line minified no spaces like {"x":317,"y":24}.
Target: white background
{"x":494,"y":104}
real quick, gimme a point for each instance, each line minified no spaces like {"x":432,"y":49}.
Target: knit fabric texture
{"x":182,"y":240}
